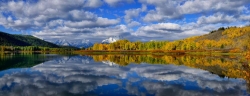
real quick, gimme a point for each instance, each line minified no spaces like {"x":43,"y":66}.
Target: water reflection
{"x":81,"y":75}
{"x":23,"y":60}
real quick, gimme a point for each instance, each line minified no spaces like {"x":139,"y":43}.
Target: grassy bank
{"x":157,"y":52}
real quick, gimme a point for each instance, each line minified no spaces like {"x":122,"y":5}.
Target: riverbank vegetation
{"x":7,"y":49}
{"x":223,"y":40}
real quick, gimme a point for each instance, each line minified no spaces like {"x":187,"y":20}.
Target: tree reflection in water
{"x":229,"y":66}
{"x":128,"y":75}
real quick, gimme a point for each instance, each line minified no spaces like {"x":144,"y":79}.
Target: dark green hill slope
{"x":23,"y":40}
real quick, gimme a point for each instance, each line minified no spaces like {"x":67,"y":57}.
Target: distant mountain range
{"x":84,"y":43}
{"x":23,"y":40}
{"x":77,"y":43}
{"x":29,"y":40}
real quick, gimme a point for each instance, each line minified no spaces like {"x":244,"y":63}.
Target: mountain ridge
{"x":83,"y":43}
{"x":76,"y":43}
{"x":23,"y":40}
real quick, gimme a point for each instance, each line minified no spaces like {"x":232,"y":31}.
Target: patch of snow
{"x":110,"y":40}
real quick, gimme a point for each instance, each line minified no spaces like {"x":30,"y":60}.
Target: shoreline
{"x":137,"y":52}
{"x":158,"y":52}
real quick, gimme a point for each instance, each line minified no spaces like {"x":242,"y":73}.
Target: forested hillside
{"x":231,"y":39}
{"x":23,"y":40}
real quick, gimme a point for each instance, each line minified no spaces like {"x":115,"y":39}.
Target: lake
{"x":122,"y":75}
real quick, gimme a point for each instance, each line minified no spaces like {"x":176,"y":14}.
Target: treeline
{"x":127,"y":45}
{"x":231,"y":39}
{"x":35,"y":48}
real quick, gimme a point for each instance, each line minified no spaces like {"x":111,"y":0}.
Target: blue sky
{"x":143,"y":20}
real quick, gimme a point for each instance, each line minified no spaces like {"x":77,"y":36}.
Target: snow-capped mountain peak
{"x":110,"y":40}
{"x":62,"y":42}
{"x":76,"y":43}
{"x":85,"y":41}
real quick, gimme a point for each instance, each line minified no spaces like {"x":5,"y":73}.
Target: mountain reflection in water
{"x":97,"y":75}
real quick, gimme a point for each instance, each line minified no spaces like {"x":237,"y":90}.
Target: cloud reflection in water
{"x":80,"y":75}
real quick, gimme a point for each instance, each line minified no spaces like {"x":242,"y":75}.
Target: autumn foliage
{"x":248,"y":55}
{"x":219,"y":65}
{"x":231,"y":39}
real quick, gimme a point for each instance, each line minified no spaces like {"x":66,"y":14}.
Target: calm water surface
{"x":56,"y":75}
